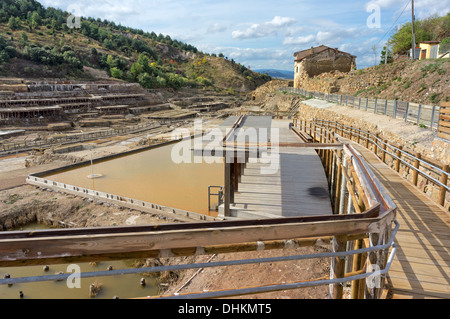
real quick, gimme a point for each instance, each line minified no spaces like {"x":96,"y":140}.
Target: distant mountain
{"x":279,"y":74}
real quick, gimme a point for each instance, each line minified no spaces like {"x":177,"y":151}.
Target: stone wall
{"x":424,"y":81}
{"x":324,"y":62}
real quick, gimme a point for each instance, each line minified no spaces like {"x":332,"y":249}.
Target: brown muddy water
{"x":151,"y":176}
{"x":122,"y":286}
{"x":154,"y":176}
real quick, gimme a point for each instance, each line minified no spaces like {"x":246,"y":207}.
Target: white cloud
{"x":422,"y":8}
{"x":324,"y":37}
{"x":426,"y":8}
{"x":216,"y":28}
{"x":299,"y":40}
{"x":383,"y":4}
{"x":264,"y":29}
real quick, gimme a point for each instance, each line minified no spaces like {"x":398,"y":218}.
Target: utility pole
{"x":386,"y":52}
{"x":413,"y":32}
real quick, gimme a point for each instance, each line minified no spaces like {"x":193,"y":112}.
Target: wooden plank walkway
{"x":298,"y":188}
{"x":421,"y":268}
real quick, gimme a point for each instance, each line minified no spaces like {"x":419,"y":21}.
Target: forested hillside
{"x":37,"y":42}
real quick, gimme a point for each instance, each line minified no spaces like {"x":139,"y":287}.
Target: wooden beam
{"x":227,"y":188}
{"x":334,"y":146}
{"x":338,"y":266}
{"x":124,"y":245}
{"x":443,"y":180}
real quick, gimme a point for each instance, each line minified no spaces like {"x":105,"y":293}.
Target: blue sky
{"x":265,"y":33}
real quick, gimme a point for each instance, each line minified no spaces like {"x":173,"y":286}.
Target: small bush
{"x":408,"y":84}
{"x":433,"y":98}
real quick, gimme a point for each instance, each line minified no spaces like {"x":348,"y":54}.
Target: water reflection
{"x":122,"y":286}
{"x":151,"y":176}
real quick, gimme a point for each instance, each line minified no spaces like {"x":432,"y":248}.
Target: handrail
{"x":219,"y":195}
{"x":417,"y":165}
{"x":234,"y":127}
{"x":390,"y":243}
{"x":433,"y":167}
{"x":391,"y":146}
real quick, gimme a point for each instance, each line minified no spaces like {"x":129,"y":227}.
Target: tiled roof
{"x":300,"y":55}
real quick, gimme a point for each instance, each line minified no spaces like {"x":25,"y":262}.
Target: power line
{"x":394,"y":24}
{"x":409,"y":1}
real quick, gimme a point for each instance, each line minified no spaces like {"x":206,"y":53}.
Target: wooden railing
{"x":74,"y":138}
{"x":431,"y":172}
{"x":444,"y":121}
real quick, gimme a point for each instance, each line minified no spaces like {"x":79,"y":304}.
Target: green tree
{"x":390,"y":59}
{"x":3,"y":16}
{"x":4,"y":58}
{"x":147,"y":81}
{"x":23,"y":40}
{"x":35,"y":20}
{"x":434,"y":28}
{"x":110,"y":61}
{"x":161,"y":81}
{"x":12,"y":23}
{"x":136,"y":69}
{"x":116,"y":73}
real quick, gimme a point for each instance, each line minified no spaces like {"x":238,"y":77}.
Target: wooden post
{"x":227,"y":188}
{"x":236,"y":175}
{"x":383,"y":155}
{"x":416,"y":166}
{"x":330,"y":166}
{"x":320,"y":141}
{"x":398,"y":153}
{"x":442,"y":190}
{"x":339,"y":244}
{"x":314,"y":133}
{"x":332,"y":172}
{"x":338,"y":184}
{"x":329,"y":156}
{"x":367,"y":140}
{"x":356,"y":266}
{"x":343,"y":186}
{"x":376,"y":262}
{"x":375,"y":145}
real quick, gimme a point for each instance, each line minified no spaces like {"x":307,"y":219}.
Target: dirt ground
{"x":260,"y":274}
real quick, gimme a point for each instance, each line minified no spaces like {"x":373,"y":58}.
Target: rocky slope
{"x":424,"y":81}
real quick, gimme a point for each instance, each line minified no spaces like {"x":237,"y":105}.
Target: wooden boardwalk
{"x":421,"y":268}
{"x":298,"y":188}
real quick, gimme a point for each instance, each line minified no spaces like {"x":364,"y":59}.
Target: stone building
{"x":321,"y":59}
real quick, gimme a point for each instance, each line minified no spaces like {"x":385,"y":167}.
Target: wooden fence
{"x":444,"y":121}
{"x":431,"y":172}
